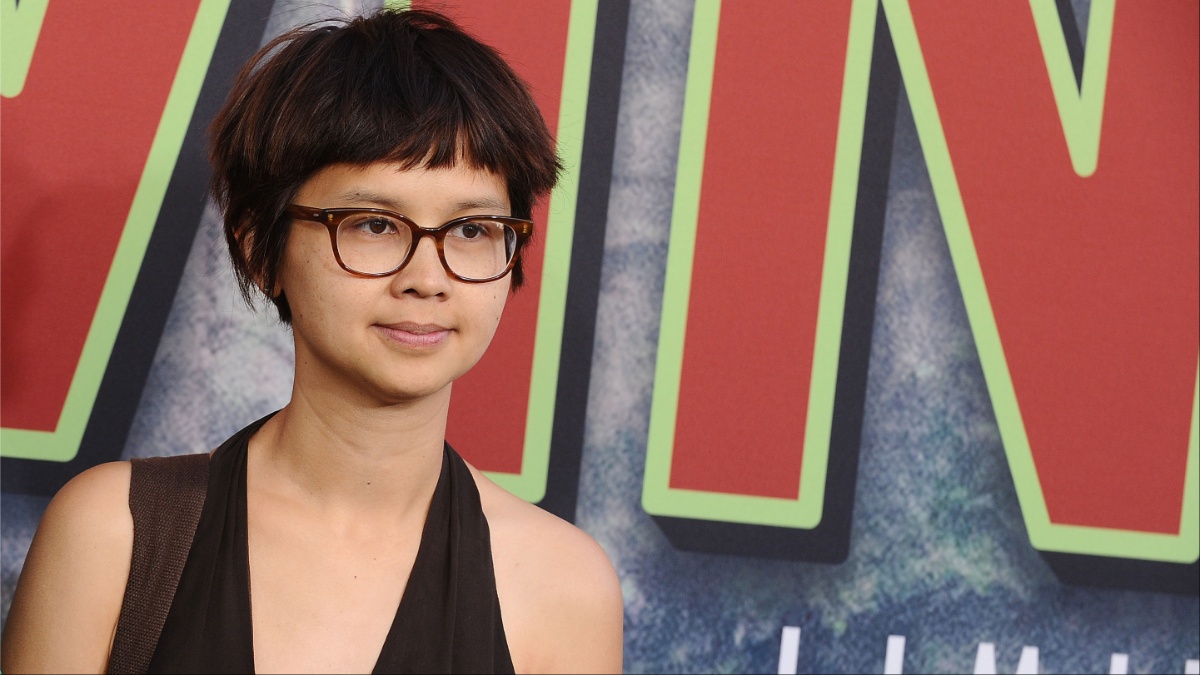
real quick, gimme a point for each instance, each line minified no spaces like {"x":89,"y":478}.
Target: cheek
{"x":312,"y":291}
{"x":497,"y":301}
{"x":489,"y":307}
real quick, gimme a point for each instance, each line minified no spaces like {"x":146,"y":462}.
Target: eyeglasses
{"x":378,"y":243}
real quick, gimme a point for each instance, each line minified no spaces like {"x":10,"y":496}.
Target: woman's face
{"x":399,"y":337}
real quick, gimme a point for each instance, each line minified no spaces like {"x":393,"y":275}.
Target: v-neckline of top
{"x":448,"y":618}
{"x":438,"y":503}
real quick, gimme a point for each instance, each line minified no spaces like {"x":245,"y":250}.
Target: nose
{"x":424,"y":275}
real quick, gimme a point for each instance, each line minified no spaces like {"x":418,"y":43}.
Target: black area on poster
{"x":1125,"y":573}
{"x":587,"y":252}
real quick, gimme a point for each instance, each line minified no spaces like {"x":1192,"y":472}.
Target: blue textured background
{"x":938,"y":548}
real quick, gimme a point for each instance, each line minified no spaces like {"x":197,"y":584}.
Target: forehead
{"x":412,"y":190}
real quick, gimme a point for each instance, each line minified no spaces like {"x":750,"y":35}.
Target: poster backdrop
{"x":865,"y":338}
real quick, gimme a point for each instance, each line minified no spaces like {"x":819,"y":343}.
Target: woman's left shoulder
{"x":542,"y":548}
{"x":557,"y":586}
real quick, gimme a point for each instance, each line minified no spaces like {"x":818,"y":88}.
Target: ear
{"x":245,"y":240}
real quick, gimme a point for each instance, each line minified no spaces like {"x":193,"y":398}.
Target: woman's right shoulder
{"x":67,"y":600}
{"x":92,"y":504}
{"x":88,"y":522}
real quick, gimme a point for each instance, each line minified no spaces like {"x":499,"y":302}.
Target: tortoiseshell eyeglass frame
{"x":332,"y":219}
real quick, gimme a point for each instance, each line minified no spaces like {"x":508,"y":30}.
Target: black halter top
{"x":449,"y":615}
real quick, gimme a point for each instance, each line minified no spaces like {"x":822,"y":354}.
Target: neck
{"x":342,"y":456}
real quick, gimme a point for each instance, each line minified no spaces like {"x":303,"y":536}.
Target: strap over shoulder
{"x":166,"y":496}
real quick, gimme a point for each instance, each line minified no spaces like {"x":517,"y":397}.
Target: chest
{"x":272,"y":590}
{"x":320,"y":601}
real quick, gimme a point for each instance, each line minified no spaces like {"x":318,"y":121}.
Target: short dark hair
{"x":409,"y":87}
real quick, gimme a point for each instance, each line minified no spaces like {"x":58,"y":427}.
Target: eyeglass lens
{"x":474,"y":249}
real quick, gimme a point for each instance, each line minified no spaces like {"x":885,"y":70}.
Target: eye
{"x":472,"y":231}
{"x":375,"y":226}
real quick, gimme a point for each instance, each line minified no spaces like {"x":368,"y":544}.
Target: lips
{"x":413,"y":334}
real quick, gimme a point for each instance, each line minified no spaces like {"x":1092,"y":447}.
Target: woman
{"x":376,"y":178}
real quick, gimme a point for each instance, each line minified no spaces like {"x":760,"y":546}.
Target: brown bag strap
{"x":166,"y":495}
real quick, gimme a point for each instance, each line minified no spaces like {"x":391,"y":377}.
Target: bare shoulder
{"x":559,"y":594}
{"x":541,"y":538}
{"x":66,"y":603}
{"x":89,"y":516}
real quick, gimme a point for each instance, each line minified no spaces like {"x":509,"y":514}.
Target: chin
{"x":404,"y":395}
{"x":408,"y":392}
{"x":409,"y":382}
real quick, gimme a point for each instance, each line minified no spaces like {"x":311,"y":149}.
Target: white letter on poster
{"x":985,"y":659}
{"x":893,"y":660}
{"x":1119,"y":665}
{"x":1028,"y":665}
{"x":789,"y":650}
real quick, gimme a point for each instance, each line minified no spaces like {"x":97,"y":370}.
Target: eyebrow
{"x":368,"y":197}
{"x":484,"y":203}
{"x":364,"y":196}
